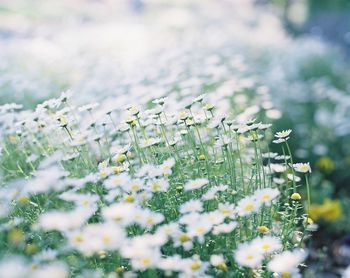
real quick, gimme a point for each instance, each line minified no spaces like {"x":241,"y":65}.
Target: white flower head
{"x":267,"y":244}
{"x":283,"y":134}
{"x":195,"y":184}
{"x":287,"y":261}
{"x":247,"y":206}
{"x":247,"y":255}
{"x":302,"y":167}
{"x":191,"y":206}
{"x":266,"y":195}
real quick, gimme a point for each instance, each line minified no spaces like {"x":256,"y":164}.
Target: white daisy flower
{"x":283,"y":134}
{"x":267,"y":244}
{"x":246,"y":255}
{"x":247,"y":206}
{"x":224,"y":228}
{"x":195,"y":184}
{"x":287,"y":262}
{"x":266,"y":195}
{"x":302,"y":167}
{"x":191,"y":206}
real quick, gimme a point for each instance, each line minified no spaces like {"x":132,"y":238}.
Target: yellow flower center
{"x":248,"y":207}
{"x":266,"y":197}
{"x":129,"y":199}
{"x":146,"y":261}
{"x":286,"y":275}
{"x":249,"y":257}
{"x":78,"y":238}
{"x":156,"y":186}
{"x":263,"y":229}
{"x":266,"y":247}
{"x":184,"y":238}
{"x":225,"y":211}
{"x":135,"y":187}
{"x":106,"y":239}
{"x":195,"y":265}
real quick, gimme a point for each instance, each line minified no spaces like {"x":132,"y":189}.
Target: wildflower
{"x":134,"y":110}
{"x":149,"y":142}
{"x":129,"y":198}
{"x":121,"y":213}
{"x":330,"y":211}
{"x":166,"y":166}
{"x":218,"y":261}
{"x":266,"y":195}
{"x":295,"y":196}
{"x":14,"y":267}
{"x":263,"y":229}
{"x":227,"y":209}
{"x":287,"y":262}
{"x":64,"y":221}
{"x":247,"y":206}
{"x":208,"y":107}
{"x":183,"y":116}
{"x":195,"y":184}
{"x":16,"y":236}
{"x":247,"y":255}
{"x":158,"y":185}
{"x":267,"y":244}
{"x":115,"y":181}
{"x":201,"y":157}
{"x":199,"y":229}
{"x":134,"y":185}
{"x":191,"y":206}
{"x":302,"y":167}
{"x":199,"y":98}
{"x":119,"y":158}
{"x":293,"y":177}
{"x":224,"y":228}
{"x":283,"y":134}
{"x":145,"y":262}
{"x":56,"y":270}
{"x":325,"y":164}
{"x":194,"y":267}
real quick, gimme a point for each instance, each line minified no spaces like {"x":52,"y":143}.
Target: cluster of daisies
{"x":152,"y":192}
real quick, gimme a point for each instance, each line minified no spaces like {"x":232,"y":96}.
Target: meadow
{"x":190,"y":150}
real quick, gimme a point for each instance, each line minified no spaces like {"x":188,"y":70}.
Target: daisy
{"x":302,"y":167}
{"x":115,"y":181}
{"x":199,"y":229}
{"x":283,"y":134}
{"x":195,"y":184}
{"x":214,"y":217}
{"x":145,"y":262}
{"x":158,"y":185}
{"x":247,"y":206}
{"x":266,"y":195}
{"x":171,"y":263}
{"x":191,"y":206}
{"x":182,"y":239}
{"x":194,"y":267}
{"x":224,"y":228}
{"x":227,"y":209}
{"x":121,"y":213}
{"x":134,"y":185}
{"x":216,"y":260}
{"x":166,"y":166}
{"x":247,"y":255}
{"x":293,"y":177}
{"x":267,"y":244}
{"x":287,"y":262}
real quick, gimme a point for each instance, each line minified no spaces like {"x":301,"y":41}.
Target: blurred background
{"x":298,"y":50}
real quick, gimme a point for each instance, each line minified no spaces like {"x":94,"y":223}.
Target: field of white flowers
{"x":147,"y":141}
